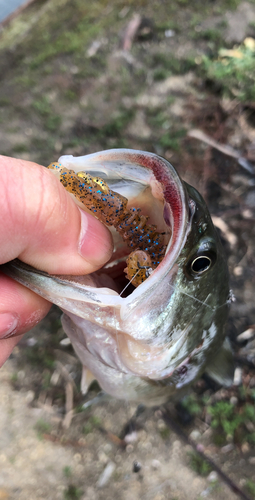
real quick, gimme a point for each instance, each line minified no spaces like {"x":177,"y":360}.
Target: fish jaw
{"x":157,"y":340}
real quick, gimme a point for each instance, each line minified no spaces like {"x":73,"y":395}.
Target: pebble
{"x":188,"y":448}
{"x":200,"y":447}
{"x":247,"y":214}
{"x":82,"y":441}
{"x":28,"y":131}
{"x":90,"y":494}
{"x":31,"y":342}
{"x":238,"y":271}
{"x":246,"y":335}
{"x":55,"y":378}
{"x":107,"y":447}
{"x":73,"y":69}
{"x":242,"y":482}
{"x":66,"y":341}
{"x":148,"y":446}
{"x":208,"y":433}
{"x":245,"y":448}
{"x":229,"y":438}
{"x":155,"y":464}
{"x":177,"y":445}
{"x":213,"y":476}
{"x":3,"y":458}
{"x":161,"y":424}
{"x":21,"y":375}
{"x":102,"y":457}
{"x":58,"y":146}
{"x":169,"y":33}
{"x":30,"y":395}
{"x":77,"y":457}
{"x":233,"y":400}
{"x":237,"y":376}
{"x":158,"y":413}
{"x":131,"y":438}
{"x":251,"y":460}
{"x":227,"y":448}
{"x":220,"y":394}
{"x":136,"y":466}
{"x":206,"y":493}
{"x":195,"y":435}
{"x":250,"y":426}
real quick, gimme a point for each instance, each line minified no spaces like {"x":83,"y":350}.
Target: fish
{"x":146,"y":342}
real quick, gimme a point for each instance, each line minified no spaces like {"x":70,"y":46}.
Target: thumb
{"x":42,"y":226}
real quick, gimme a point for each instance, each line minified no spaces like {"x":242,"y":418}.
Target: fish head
{"x":152,"y":342}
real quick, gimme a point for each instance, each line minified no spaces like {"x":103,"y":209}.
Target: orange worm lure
{"x":147,"y":244}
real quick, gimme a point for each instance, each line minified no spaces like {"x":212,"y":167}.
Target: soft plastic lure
{"x":110,"y":208}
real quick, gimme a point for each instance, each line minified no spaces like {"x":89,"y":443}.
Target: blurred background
{"x":177,"y":79}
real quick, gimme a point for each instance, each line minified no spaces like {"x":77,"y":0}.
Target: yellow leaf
{"x":236,"y":53}
{"x":249,"y":43}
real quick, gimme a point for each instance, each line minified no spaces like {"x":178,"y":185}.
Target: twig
{"x":130,"y":32}
{"x":177,"y":429}
{"x":64,"y":442}
{"x":223,"y":148}
{"x":61,"y":369}
{"x":69,"y":390}
{"x":113,"y":438}
{"x":221,"y":224}
{"x":68,"y":406}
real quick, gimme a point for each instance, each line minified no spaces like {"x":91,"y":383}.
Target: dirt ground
{"x":76,"y":79}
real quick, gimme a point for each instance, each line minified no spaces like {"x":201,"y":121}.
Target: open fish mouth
{"x":146,"y":341}
{"x":140,"y":197}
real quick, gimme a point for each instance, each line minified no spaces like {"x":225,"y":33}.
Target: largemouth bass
{"x":151,"y":342}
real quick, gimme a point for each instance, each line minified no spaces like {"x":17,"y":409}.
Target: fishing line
{"x":126,"y":400}
{"x":194,"y":298}
{"x":202,"y":302}
{"x":132,"y":427}
{"x":190,"y":296}
{"x":129,"y":283}
{"x":184,"y":293}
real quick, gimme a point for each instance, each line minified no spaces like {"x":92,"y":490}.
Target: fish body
{"x":153,"y":343}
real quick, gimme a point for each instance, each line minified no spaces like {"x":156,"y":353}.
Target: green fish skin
{"x":152,"y":344}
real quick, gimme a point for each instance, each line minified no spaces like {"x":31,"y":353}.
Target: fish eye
{"x":201,"y":264}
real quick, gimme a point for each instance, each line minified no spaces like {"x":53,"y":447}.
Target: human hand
{"x":42,"y":226}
